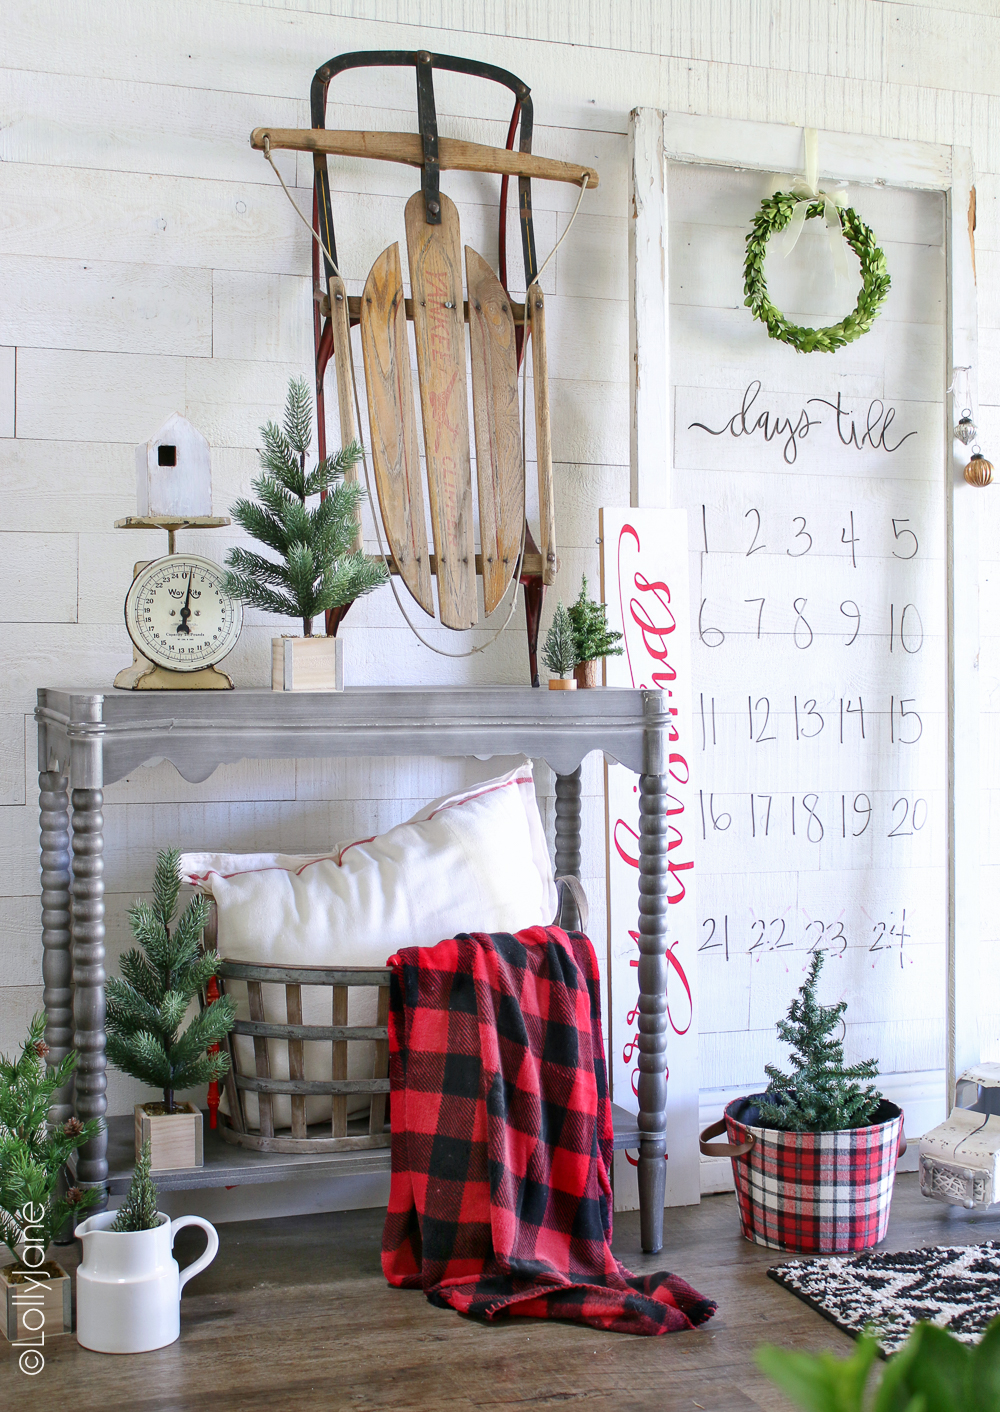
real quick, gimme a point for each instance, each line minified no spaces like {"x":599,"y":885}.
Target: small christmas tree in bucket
{"x":822,"y":1093}
{"x":320,"y":568}
{"x":814,"y":1158}
{"x":146,"y":1008}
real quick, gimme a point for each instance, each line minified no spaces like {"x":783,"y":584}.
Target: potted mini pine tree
{"x":814,"y":1158}
{"x":128,"y":1286}
{"x":147,"y":1003}
{"x":321,"y":566}
{"x":559,"y":652}
{"x":35,"y":1205}
{"x":592,"y":637}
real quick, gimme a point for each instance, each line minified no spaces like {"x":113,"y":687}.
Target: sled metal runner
{"x":439,"y":313}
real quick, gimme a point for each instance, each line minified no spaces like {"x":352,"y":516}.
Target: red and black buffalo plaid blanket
{"x":501,"y":1138}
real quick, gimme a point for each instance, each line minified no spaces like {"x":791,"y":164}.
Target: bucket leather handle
{"x":724,"y":1149}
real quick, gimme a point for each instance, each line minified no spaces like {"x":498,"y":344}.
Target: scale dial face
{"x":179,"y":615}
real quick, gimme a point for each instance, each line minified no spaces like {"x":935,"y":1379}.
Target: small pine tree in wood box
{"x":147,"y":1004}
{"x":320,"y":566}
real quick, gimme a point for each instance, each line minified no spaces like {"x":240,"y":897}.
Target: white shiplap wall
{"x":150,"y":263}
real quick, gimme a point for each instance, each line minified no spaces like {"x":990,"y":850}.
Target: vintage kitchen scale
{"x":179,"y":616}
{"x":439,"y":311}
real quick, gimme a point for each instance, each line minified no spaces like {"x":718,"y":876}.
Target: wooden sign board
{"x":644,"y":577}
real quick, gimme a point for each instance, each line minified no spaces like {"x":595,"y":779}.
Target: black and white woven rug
{"x":956,"y":1286}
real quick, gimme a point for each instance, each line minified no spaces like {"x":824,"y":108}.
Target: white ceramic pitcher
{"x":128,"y":1286}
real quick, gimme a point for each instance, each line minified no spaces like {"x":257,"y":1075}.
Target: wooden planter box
{"x":175,"y":1139}
{"x":307,"y":664}
{"x":37,"y":1306}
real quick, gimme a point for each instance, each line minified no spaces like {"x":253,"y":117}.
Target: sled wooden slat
{"x":435,"y":259}
{"x":499,"y":466}
{"x":406,"y":147}
{"x":393,"y":419}
{"x":535,"y":303}
{"x":354,"y":305}
{"x":340,"y":320}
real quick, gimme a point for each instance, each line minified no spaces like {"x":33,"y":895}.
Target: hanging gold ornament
{"x":966,"y":429}
{"x":979,"y":471}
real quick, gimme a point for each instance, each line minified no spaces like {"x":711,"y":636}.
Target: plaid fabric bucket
{"x":811,"y":1192}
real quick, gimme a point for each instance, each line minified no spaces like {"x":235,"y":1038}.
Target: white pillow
{"x":472,"y":861}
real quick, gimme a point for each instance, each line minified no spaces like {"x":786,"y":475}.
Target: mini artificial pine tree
{"x":559,"y":652}
{"x":320,"y":569}
{"x":592,"y":637}
{"x":33,"y":1155}
{"x":140,"y":1209}
{"x":147,"y":1004}
{"x":821,"y":1094}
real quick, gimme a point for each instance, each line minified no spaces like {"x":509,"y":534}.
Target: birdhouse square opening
{"x":166,"y":455}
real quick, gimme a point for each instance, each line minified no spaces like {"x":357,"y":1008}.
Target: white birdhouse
{"x":173,"y":472}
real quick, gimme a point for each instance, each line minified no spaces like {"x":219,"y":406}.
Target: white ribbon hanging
{"x":834,"y":199}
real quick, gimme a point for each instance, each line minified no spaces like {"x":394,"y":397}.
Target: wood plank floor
{"x":295,"y":1314}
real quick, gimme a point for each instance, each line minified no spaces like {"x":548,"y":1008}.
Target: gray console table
{"x":87,"y":739}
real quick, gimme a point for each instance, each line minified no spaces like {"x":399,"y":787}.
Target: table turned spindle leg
{"x":89,"y":978}
{"x":57,"y":960}
{"x":568,"y":804}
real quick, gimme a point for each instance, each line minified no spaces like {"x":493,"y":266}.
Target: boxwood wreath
{"x":773,"y":216}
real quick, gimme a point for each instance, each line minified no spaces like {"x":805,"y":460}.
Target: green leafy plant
{"x":820,"y":1094}
{"x":140,"y":1209}
{"x":932,"y":1372}
{"x":559,"y":652}
{"x":159,"y":979}
{"x":33,"y":1154}
{"x":320,"y":568}
{"x":592,"y":638}
{"x":773,"y":215}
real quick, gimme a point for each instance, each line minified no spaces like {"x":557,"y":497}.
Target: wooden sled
{"x":439,"y":311}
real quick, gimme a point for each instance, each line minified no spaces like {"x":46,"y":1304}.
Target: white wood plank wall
{"x":150,"y":263}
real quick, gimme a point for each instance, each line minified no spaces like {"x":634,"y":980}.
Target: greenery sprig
{"x":774,"y":214}
{"x":933,"y":1370}
{"x":33,"y":1155}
